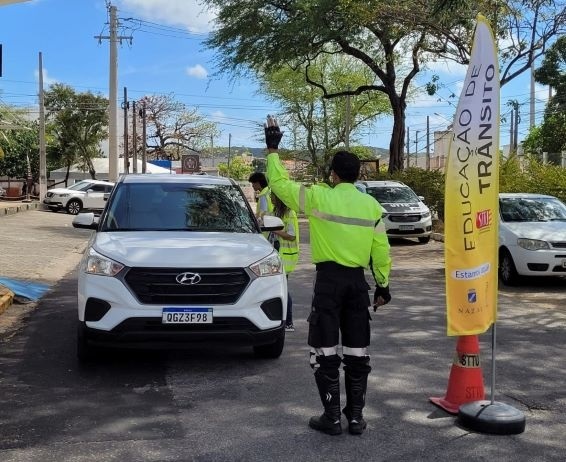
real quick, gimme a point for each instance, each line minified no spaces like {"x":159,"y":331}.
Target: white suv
{"x":176,"y":259}
{"x":405,"y":214}
{"x":86,"y":194}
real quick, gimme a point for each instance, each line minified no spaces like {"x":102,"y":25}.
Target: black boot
{"x":327,"y":377}
{"x":356,"y":371}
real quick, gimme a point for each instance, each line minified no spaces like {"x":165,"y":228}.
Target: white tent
{"x":101,"y":167}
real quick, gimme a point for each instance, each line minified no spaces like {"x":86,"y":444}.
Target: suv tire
{"x":424,"y":240}
{"x":74,"y":206}
{"x":271,"y":350}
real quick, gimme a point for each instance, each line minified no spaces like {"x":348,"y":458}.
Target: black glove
{"x":273,"y":134}
{"x":382,"y":292}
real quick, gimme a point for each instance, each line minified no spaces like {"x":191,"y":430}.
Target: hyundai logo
{"x":188,"y":279}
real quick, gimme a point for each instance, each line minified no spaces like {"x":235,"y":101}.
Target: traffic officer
{"x":347,"y":235}
{"x":259,"y":184}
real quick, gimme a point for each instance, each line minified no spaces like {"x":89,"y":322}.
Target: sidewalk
{"x":10,"y":208}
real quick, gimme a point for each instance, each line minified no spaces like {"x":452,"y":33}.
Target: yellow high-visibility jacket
{"x":345,"y":224}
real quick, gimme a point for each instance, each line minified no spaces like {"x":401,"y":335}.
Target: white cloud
{"x":47,"y":81}
{"x":197,"y":71}
{"x":186,"y":13}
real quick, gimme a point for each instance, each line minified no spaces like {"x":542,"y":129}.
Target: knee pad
{"x":356,"y":364}
{"x":327,"y":365}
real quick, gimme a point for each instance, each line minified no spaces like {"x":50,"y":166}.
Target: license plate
{"x":406,"y":227}
{"x":186,"y":316}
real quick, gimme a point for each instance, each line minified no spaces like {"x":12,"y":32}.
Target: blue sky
{"x":167,"y":57}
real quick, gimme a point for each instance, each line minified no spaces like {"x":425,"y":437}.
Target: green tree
{"x":237,"y":169}
{"x":320,"y":125}
{"x":550,"y":136}
{"x":395,"y":40}
{"x":78,"y":123}
{"x":20,"y":145}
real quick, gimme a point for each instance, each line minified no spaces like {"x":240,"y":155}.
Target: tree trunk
{"x":397,"y":143}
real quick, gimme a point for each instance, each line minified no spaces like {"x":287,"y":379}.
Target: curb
{"x":6,"y":298}
{"x":12,"y":210}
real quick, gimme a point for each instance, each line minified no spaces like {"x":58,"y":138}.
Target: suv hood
{"x":550,"y":231}
{"x":64,"y":191}
{"x":404,"y":207}
{"x":182,"y":248}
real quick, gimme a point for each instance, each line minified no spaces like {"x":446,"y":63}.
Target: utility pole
{"x":427,"y":142}
{"x":125,"y":106}
{"x":347,"y":123}
{"x":512,"y":133}
{"x":113,"y":91}
{"x":417,"y":148}
{"x":212,"y":148}
{"x":516,"y":135}
{"x":144,"y":135}
{"x":42,"y":150}
{"x":408,"y":147}
{"x":532,"y":105}
{"x":134,"y":139}
{"x":229,"y":150}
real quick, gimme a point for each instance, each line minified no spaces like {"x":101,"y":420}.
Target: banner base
{"x":491,"y":417}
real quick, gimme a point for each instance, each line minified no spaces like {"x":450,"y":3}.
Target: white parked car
{"x":86,"y":194}
{"x":532,"y":236}
{"x":405,"y":213}
{"x":176,"y":259}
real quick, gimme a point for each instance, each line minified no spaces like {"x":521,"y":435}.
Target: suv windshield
{"x":531,"y":209}
{"x":81,"y":186}
{"x":393,"y":194}
{"x":178,"y":207}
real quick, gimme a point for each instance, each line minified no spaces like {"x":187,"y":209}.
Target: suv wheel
{"x":424,"y":240}
{"x":507,"y":271}
{"x":74,"y":206}
{"x":271,"y":350}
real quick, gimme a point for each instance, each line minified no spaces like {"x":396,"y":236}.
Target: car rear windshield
{"x":393,"y":194}
{"x":178,"y":207}
{"x":531,"y":209}
{"x":81,"y":186}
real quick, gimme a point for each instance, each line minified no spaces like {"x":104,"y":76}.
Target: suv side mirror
{"x":271,"y":223}
{"x":86,"y":221}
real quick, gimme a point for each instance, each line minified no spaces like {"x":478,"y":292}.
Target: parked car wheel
{"x":507,"y":271}
{"x":271,"y":350}
{"x":424,"y":240}
{"x":74,"y":206}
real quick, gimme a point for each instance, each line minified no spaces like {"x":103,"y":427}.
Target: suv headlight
{"x":101,"y":265}
{"x":268,"y":266}
{"x":426,"y":214}
{"x":63,"y":195}
{"x":532,"y":244}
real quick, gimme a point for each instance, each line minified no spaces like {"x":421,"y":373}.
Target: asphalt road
{"x":222,"y":404}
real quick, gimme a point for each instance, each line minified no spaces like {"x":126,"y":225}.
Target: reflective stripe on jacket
{"x":345,"y":225}
{"x":289,"y":250}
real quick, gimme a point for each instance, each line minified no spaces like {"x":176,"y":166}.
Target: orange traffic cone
{"x":465,"y":383}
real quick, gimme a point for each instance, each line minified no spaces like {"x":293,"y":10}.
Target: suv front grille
{"x":405,"y":218}
{"x":218,"y":286}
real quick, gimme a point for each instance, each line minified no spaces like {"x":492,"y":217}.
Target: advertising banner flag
{"x":471,"y":207}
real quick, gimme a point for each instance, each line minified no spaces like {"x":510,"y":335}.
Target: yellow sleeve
{"x":380,"y":256}
{"x":284,"y":188}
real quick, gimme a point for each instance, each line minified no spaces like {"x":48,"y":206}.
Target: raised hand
{"x":273,"y":134}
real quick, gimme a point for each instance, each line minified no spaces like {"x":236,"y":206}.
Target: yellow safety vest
{"x":345,"y":225}
{"x":289,"y":250}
